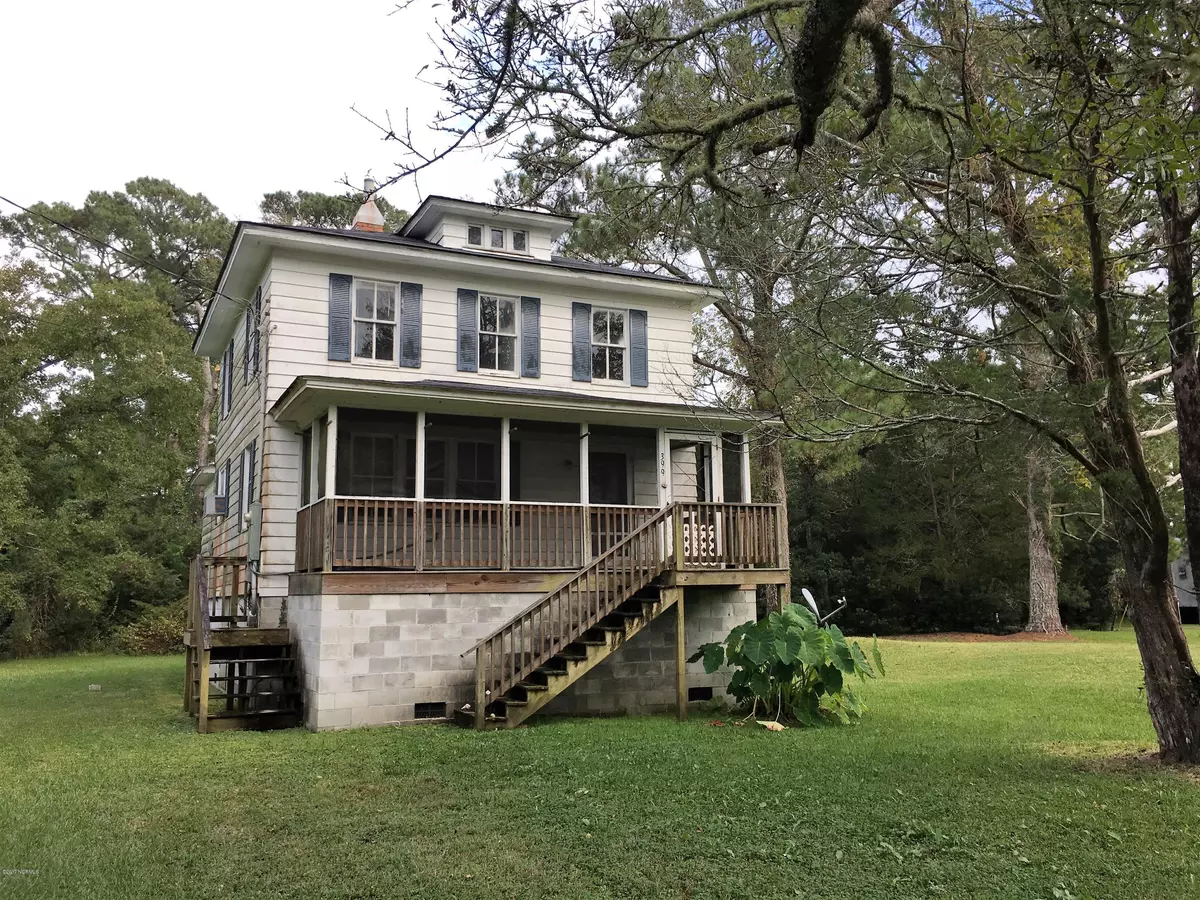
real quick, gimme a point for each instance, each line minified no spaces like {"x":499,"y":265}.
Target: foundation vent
{"x":438,"y":710}
{"x":699,"y":693}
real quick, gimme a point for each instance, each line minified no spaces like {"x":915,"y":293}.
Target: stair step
{"x":603,"y":627}
{"x":591,"y":642}
{"x":548,"y":670}
{"x":532,"y":686}
{"x":508,"y":701}
{"x":257,"y":659}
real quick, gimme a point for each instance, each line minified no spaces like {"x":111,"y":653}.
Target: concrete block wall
{"x":639,"y":678}
{"x":368,"y":659}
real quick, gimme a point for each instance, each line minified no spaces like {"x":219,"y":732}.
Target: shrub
{"x":156,"y":630}
{"x":794,"y":668}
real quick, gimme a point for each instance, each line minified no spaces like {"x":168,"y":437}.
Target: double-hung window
{"x":372,"y":465}
{"x":374,"y":320}
{"x":608,"y":345}
{"x":497,"y":333}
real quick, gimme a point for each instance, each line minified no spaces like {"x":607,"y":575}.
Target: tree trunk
{"x":1172,"y":686}
{"x":208,"y":401}
{"x":774,"y":490}
{"x":1043,"y":572}
{"x":204,"y":418}
{"x":1185,"y":375}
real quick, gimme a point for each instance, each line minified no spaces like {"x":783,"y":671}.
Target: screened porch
{"x":420,"y":491}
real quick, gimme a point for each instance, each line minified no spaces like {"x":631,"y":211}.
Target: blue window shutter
{"x":531,"y":337}
{"x":224,"y":375}
{"x":468,"y":331}
{"x":410,"y":325}
{"x":253,"y":462}
{"x":227,"y":384}
{"x":639,"y":349}
{"x":581,"y":342}
{"x":339,"y":317}
{"x":246,"y":342}
{"x":257,"y":336}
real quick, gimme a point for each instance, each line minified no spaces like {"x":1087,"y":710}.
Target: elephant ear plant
{"x":794,"y":668}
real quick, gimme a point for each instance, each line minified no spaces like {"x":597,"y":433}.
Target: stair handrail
{"x":508,"y":676}
{"x":653,"y":520}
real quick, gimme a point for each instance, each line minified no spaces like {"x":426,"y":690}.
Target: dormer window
{"x":608,"y":345}
{"x":497,"y":333}
{"x":374,"y":320}
{"x":493,"y":237}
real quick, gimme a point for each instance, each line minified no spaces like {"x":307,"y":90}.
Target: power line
{"x":145,"y":264}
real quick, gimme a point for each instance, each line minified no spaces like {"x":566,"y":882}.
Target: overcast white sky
{"x":228,"y":99}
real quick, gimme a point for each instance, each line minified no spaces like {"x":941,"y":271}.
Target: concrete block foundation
{"x":370,"y":659}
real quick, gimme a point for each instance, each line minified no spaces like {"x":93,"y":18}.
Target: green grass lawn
{"x":973,"y":775}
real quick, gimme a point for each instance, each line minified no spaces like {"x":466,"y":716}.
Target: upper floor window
{"x":374,"y":320}
{"x":608,"y":345}
{"x":498,"y":238}
{"x":497,"y":333}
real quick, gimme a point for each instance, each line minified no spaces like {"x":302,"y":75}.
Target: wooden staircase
{"x":545,"y":649}
{"x":238,"y":676}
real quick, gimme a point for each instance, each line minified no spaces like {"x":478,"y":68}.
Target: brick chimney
{"x":368,"y":217}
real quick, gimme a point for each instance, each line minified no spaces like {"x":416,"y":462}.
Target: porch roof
{"x":306,"y":398}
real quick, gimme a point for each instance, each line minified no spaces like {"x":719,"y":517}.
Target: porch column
{"x":681,"y":690}
{"x":745,"y":460}
{"x":419,"y":494}
{"x":331,"y":442}
{"x":585,"y":491}
{"x":505,"y":493}
{"x":663,"y":467}
{"x":330,"y":522}
{"x":716,"y":474}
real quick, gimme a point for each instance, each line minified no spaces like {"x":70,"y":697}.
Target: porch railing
{"x":219,"y":594}
{"x":419,"y":535}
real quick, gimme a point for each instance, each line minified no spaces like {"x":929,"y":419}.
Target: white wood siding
{"x":294,"y":343}
{"x":300,"y":305}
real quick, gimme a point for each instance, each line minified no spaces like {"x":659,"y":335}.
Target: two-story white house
{"x":466,"y":472}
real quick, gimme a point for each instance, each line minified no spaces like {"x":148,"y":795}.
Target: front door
{"x":695,"y":484}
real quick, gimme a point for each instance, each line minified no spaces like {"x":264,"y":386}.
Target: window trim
{"x":515,"y":371}
{"x":623,"y":346}
{"x":478,"y":243}
{"x":355,"y":319}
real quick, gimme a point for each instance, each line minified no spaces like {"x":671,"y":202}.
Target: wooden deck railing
{"x":219,"y":594}
{"x":729,"y":535}
{"x":532,"y":637}
{"x":420,"y":535}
